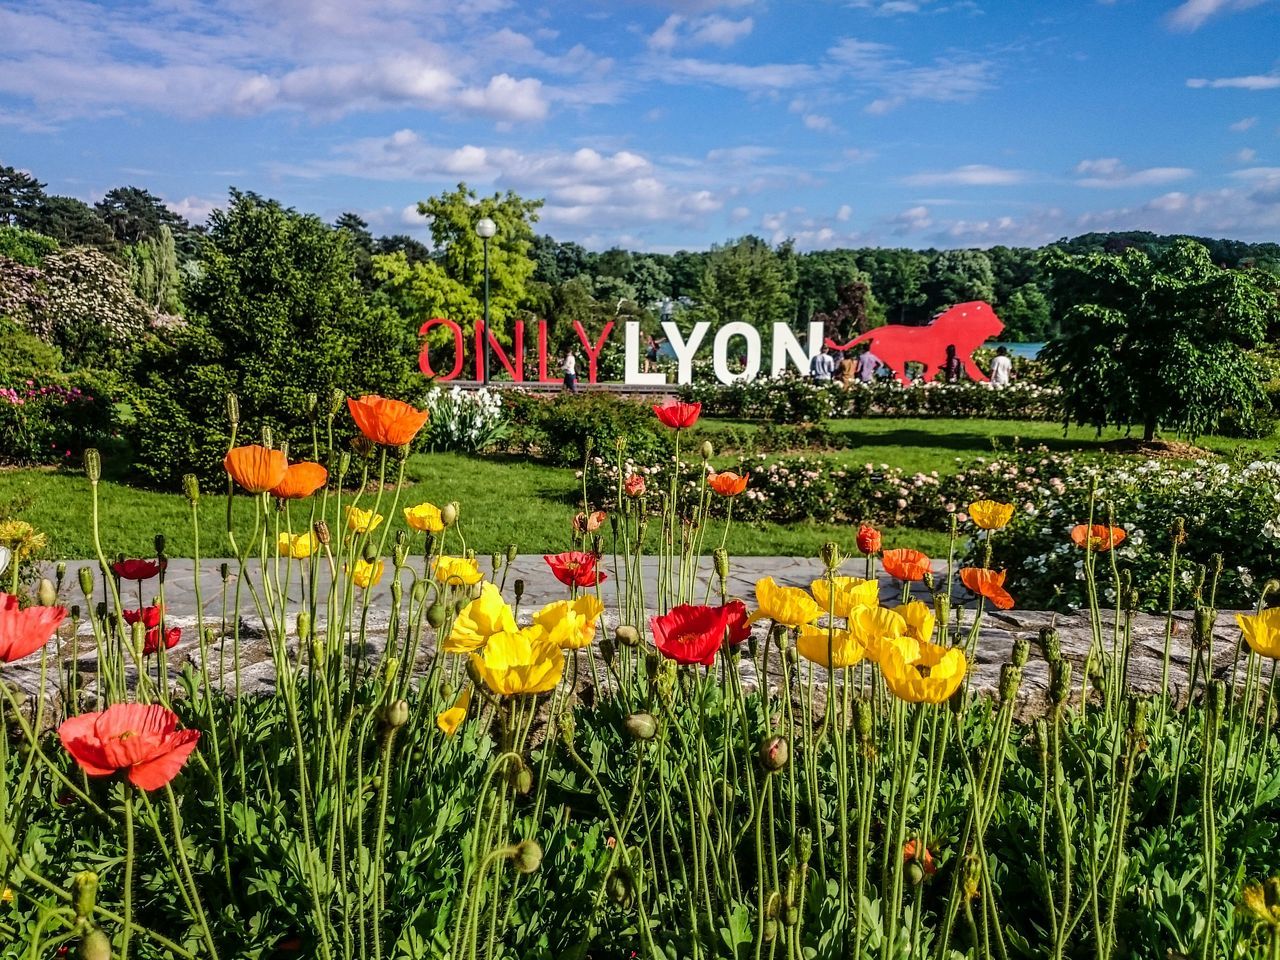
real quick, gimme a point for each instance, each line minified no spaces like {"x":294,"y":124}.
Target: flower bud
{"x":46,"y":594}
{"x":942,"y":612}
{"x":224,"y":571}
{"x":233,"y":410}
{"x":526,"y":856}
{"x":1215,"y":699}
{"x":321,"y":529}
{"x":191,"y":487}
{"x":318,"y":655}
{"x":862,"y":719}
{"x":652,"y":664}
{"x":620,"y":886}
{"x":511,"y":553}
{"x":312,"y":402}
{"x":627,"y":635}
{"x":568,"y":727}
{"x":449,"y":513}
{"x":641,"y":726}
{"x":93,"y":464}
{"x":396,"y":714}
{"x":336,"y":399}
{"x":1137,"y":716}
{"x":60,"y":572}
{"x":521,"y":779}
{"x":1010,"y":680}
{"x":344,"y":465}
{"x":94,"y":945}
{"x":160,"y":543}
{"x":86,"y":582}
{"x":75,"y":611}
{"x":720,"y":557}
{"x":1051,"y":644}
{"x":397,"y":592}
{"x":138,"y":636}
{"x":362,"y":447}
{"x":1202,"y":626}
{"x":1021,"y":651}
{"x":436,"y":615}
{"x":84,"y":893}
{"x":517,"y":588}
{"x":370,"y":552}
{"x":707,"y":450}
{"x":774,"y":752}
{"x":304,"y":626}
{"x":1059,"y":681}
{"x":957,"y":701}
{"x":830,"y":555}
{"x":607,"y":649}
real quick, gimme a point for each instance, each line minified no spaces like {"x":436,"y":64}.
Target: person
{"x":1001,"y":368}
{"x":822,"y":366}
{"x":846,"y":369}
{"x":868,"y":363}
{"x":952,"y":369}
{"x":651,"y":354}
{"x":570,"y":368}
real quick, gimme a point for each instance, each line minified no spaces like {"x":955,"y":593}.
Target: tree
{"x":415,"y":251}
{"x":650,"y":279}
{"x":958,"y":276}
{"x":134,"y":214}
{"x":25,"y":246}
{"x":153,"y":264}
{"x":70,"y":221}
{"x":897,"y":280}
{"x":89,"y":309}
{"x":20,"y":193}
{"x":356,"y":228}
{"x":1027,"y":314}
{"x":746,"y":280}
{"x":1161,"y":342}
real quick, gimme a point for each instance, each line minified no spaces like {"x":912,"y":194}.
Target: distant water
{"x":1028,"y":350}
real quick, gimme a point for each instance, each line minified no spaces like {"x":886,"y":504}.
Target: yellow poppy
{"x":362,"y":521}
{"x":991,"y":514}
{"x":456,"y":570}
{"x":1262,"y":631}
{"x":479,"y":620}
{"x":1262,"y":902}
{"x":919,"y":618}
{"x":449,"y":720}
{"x":845,"y":593}
{"x":6,"y":895}
{"x":299,"y":546}
{"x":424,"y":517}
{"x":879,"y":629}
{"x":932,"y":679}
{"x":367,"y":574}
{"x":571,"y":624}
{"x":789,"y":606}
{"x":844,"y":646}
{"x":519,"y":661}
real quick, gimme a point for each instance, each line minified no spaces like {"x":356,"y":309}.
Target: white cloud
{"x":714,"y":30}
{"x":1264,"y":81}
{"x":969,"y":175}
{"x":948,"y":79}
{"x":844,"y":213}
{"x":818,"y":121}
{"x":1246,"y":155}
{"x":1110,"y":172}
{"x":1192,"y":14}
{"x":739,"y":76}
{"x":1243,"y":124}
{"x":911,"y":220}
{"x":194,"y":209}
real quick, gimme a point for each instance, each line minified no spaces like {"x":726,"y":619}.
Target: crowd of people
{"x":863,"y":366}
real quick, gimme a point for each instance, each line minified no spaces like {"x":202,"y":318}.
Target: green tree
{"x":357,"y":229}
{"x":650,"y":280}
{"x":70,"y":221}
{"x":958,"y":276}
{"x":1027,"y":314}
{"x":897,"y":280}
{"x":20,"y":193}
{"x":746,"y":280}
{"x":1160,"y":342}
{"x":134,"y":214}
{"x":153,"y":265}
{"x":25,"y":246}
{"x":89,"y":309}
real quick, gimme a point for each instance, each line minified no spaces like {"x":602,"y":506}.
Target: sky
{"x":669,"y":124}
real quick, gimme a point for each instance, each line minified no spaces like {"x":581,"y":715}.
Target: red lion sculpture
{"x":966,"y":326}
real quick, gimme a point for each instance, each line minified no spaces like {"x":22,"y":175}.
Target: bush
{"x":52,"y":418}
{"x":25,"y":246}
{"x":464,"y":420}
{"x":562,"y":429}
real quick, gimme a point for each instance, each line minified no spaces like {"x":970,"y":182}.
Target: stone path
{"x":999,"y":632}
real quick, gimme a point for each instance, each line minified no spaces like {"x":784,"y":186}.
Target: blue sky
{"x":667,"y":124}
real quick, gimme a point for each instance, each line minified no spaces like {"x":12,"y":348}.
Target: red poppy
{"x":589,"y":522}
{"x":690,"y":634}
{"x":737,"y":621}
{"x":300,"y":481}
{"x":391,"y":423}
{"x":1097,"y":537}
{"x":989,"y":584}
{"x":728,"y":483}
{"x":575,"y":568}
{"x":147,"y":616}
{"x":138,"y":570}
{"x":151,"y":644}
{"x":926,"y":862}
{"x":23,"y":632}
{"x":141,"y":740}
{"x":868,"y":539}
{"x":633,"y":486}
{"x":678,"y":415}
{"x":255,"y":468}
{"x":905,"y":564}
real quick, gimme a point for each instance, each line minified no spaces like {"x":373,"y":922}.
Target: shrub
{"x":25,"y":246}
{"x":52,"y":418}
{"x":562,"y":429}
{"x":464,"y":420}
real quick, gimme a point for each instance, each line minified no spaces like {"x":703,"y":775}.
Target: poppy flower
{"x":151,"y":644}
{"x":1262,"y":631}
{"x":878,"y":629}
{"x":425,"y":518}
{"x":255,"y":468}
{"x":300,"y":481}
{"x":991,"y":514}
{"x":905,"y":564}
{"x":149,"y":617}
{"x":989,"y":584}
{"x":868,"y":539}
{"x":571,"y":624}
{"x":575,"y":568}
{"x":516,"y":662}
{"x":789,"y":606}
{"x":690,"y":634}
{"x":727,"y":483}
{"x":391,"y":423}
{"x":23,"y":632}
{"x":589,"y":522}
{"x":1097,"y":537}
{"x":926,"y":861}
{"x":138,"y":570}
{"x":919,"y":618}
{"x":834,"y":648}
{"x":633,"y":486}
{"x":456,"y":570}
{"x":479,"y":620}
{"x":842,"y":594}
{"x":362,"y":521}
{"x":298,"y":546}
{"x":366,"y":574}
{"x":678,"y":415}
{"x":448,"y":721}
{"x":934,"y":676}
{"x":140,"y":740}
{"x":737,"y":622}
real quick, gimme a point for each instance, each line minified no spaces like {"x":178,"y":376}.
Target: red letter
{"x":593,"y":353}
{"x":424,"y":363}
{"x":542,"y":355}
{"x":517,"y":371}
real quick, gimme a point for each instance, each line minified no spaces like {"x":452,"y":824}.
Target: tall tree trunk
{"x":1149,"y":429}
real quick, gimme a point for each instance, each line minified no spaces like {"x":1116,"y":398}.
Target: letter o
{"x":720,"y":351}
{"x":424,"y":362}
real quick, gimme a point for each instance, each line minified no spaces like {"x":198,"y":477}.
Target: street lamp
{"x":486,"y":228}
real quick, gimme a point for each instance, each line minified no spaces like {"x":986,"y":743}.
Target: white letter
{"x":631,"y":370}
{"x":720,"y":351}
{"x":787,"y":347}
{"x":685,"y":349}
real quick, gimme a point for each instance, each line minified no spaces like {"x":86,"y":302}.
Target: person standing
{"x":651,"y":355}
{"x":846,"y":370}
{"x":821,"y":367}
{"x":953,"y":368}
{"x":570,"y":367}
{"x":1001,"y":368}
{"x":867,"y":363}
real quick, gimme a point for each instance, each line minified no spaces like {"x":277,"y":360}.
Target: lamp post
{"x":486,"y":228}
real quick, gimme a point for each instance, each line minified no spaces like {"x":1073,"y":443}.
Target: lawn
{"x":512,"y":500}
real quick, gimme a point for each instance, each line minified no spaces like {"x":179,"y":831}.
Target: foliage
{"x":153,"y":267}
{"x":22,"y":293}
{"x":47,"y":418}
{"x":1156,"y":342}
{"x":747,"y":280}
{"x":25,"y":246}
{"x":565,"y":428}
{"x":471,"y":421}
{"x":134,"y":215}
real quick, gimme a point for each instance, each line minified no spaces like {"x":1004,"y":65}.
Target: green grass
{"x":509,"y":500}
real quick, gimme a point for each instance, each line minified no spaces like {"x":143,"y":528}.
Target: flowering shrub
{"x":48,"y":422}
{"x":793,"y":399}
{"x":469,"y":420}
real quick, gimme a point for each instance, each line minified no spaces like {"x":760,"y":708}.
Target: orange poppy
{"x":589,"y":522}
{"x":905,"y":564}
{"x":728,"y":483}
{"x":256,"y":469}
{"x":989,"y":584}
{"x":391,"y":423}
{"x":1097,"y":537}
{"x":301,"y":480}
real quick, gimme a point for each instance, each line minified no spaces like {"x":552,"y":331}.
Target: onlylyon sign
{"x":964,"y":327}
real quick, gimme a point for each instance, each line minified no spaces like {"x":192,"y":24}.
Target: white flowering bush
{"x":466,"y":420}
